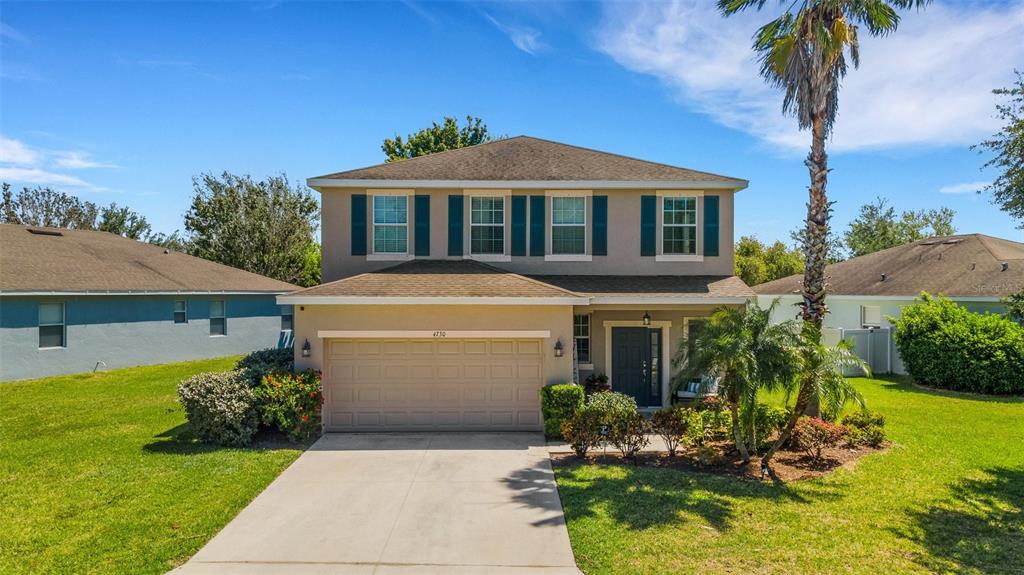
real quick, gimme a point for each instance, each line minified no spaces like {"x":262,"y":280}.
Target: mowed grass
{"x":99,"y":474}
{"x":948,"y":497}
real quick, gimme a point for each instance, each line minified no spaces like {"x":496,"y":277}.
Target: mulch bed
{"x":786,"y":465}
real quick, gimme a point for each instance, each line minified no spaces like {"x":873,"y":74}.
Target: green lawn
{"x":947,"y":498}
{"x":98,"y":473}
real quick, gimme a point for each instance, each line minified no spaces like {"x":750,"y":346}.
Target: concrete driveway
{"x":480,"y":503}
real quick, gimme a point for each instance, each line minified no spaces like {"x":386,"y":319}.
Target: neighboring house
{"x":973,"y":270}
{"x":461,"y":282}
{"x":74,"y":301}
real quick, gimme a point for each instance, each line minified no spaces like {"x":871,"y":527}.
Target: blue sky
{"x":126,"y":102}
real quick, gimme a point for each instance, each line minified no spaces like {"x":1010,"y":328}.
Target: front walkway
{"x":480,"y":503}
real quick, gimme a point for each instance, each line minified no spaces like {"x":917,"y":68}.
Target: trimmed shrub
{"x":865,"y":428}
{"x":291,"y":402}
{"x":220,"y":407}
{"x":944,"y":345}
{"x":558,"y":403}
{"x":607,"y":405}
{"x":582,"y":431}
{"x":672,"y":424}
{"x":259,"y":363}
{"x":813,"y":435}
{"x":768,"y":420}
{"x":628,"y":433}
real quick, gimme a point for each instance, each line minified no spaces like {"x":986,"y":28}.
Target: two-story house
{"x":459,"y":283}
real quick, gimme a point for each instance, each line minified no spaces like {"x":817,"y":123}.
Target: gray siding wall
{"x":125,"y":331}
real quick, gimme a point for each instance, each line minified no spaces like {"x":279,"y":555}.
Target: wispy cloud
{"x":420,"y":11}
{"x":24,"y":164}
{"x":964,"y":188}
{"x":8,"y":32}
{"x":523,"y":37}
{"x":928,"y":84}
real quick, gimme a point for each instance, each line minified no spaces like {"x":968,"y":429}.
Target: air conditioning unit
{"x":870,"y":316}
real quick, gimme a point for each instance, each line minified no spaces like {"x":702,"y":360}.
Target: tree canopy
{"x":266,"y":227}
{"x":757,"y":263}
{"x":47,"y":207}
{"x":877,"y":227}
{"x":447,"y":135}
{"x":1007,"y":147}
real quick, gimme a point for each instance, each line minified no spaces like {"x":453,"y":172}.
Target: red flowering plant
{"x":290,"y":402}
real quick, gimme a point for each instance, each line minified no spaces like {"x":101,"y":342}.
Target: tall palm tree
{"x":747,"y":353}
{"x":804,"y":52}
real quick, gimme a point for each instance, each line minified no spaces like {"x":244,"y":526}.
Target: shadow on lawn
{"x":643,"y":497}
{"x":180,"y":440}
{"x":979,"y":528}
{"x":904,"y":384}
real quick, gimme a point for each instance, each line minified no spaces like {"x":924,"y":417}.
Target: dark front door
{"x":635,"y":352}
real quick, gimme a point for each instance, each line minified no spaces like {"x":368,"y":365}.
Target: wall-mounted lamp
{"x":647,"y":318}
{"x":558,"y":348}
{"x":305,"y":348}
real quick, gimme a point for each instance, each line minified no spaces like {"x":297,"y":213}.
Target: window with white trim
{"x":487,"y":225}
{"x":569,"y":225}
{"x":581,"y":337}
{"x":180,"y":311}
{"x":51,"y":325}
{"x":287,"y":318}
{"x":390,"y":224}
{"x":218,"y":317}
{"x":679,"y":226}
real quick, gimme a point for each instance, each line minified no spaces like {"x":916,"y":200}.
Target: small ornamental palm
{"x":747,"y":353}
{"x":822,"y":378}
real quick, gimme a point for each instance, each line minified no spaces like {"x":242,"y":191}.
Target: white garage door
{"x":432,"y":384}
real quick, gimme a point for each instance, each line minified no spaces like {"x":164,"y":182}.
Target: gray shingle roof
{"x":963,"y":265}
{"x":62,"y":260}
{"x":524,"y":158}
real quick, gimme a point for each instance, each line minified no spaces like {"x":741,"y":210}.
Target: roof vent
{"x":885,"y":277}
{"x":40,"y":232}
{"x":1006,"y":266}
{"x":167,"y":251}
{"x":953,"y":241}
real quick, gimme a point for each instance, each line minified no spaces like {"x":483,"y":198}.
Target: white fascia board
{"x":667,"y":300}
{"x":844,"y":297}
{"x":357,"y":300}
{"x":735,"y":185}
{"x":136,"y":292}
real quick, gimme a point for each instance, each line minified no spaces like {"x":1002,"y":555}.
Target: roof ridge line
{"x":432,"y":154}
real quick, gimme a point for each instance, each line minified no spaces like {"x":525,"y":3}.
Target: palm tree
{"x":747,"y":353}
{"x":803,"y":51}
{"x":821,"y":375}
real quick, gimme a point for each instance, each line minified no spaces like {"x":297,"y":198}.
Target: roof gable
{"x":527,"y":159}
{"x":963,"y":265}
{"x":63,"y":260}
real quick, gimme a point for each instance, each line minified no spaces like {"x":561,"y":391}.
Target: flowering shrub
{"x":220,"y":407}
{"x":291,"y":402}
{"x":259,"y":363}
{"x":673,"y":425}
{"x":813,"y":435}
{"x":582,"y":431}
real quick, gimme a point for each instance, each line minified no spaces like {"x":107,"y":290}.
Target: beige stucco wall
{"x":311,"y":319}
{"x":623,"y":236}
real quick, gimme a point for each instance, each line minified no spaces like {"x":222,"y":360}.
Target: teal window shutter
{"x":455,"y":207}
{"x":648,"y":225}
{"x":359,"y":224}
{"x":537,"y":245}
{"x":519,"y":225}
{"x":422,"y":225}
{"x":599,"y":229}
{"x":711,"y":225}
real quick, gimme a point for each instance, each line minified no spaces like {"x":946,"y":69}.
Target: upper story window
{"x":390,"y":224}
{"x":51,"y":325}
{"x":569,"y":225}
{"x":218,"y":318}
{"x":679,"y":225}
{"x":180,"y":311}
{"x":487,"y":225}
